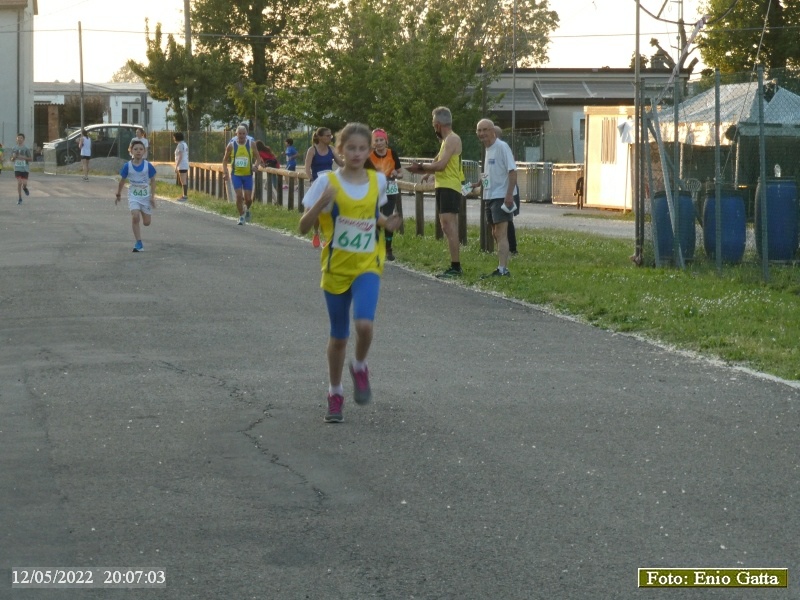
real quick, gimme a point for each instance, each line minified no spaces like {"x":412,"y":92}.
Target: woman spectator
{"x":319,"y":159}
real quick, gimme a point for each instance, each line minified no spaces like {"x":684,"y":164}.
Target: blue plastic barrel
{"x":662,"y":225}
{"x":781,"y":219}
{"x":733,"y":225}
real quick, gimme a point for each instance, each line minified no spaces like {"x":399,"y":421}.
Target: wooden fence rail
{"x":289,"y":186}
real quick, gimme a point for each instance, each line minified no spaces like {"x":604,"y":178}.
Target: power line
{"x":671,"y":22}
{"x":294,"y":37}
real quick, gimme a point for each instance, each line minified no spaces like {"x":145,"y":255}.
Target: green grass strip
{"x":735,"y":317}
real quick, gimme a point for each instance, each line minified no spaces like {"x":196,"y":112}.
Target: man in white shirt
{"x":499,"y":179}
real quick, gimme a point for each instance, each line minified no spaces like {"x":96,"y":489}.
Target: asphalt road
{"x":164,"y":410}
{"x":547,"y":216}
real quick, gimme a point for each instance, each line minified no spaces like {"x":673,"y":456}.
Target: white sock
{"x":336,"y":389}
{"x":359,"y":365}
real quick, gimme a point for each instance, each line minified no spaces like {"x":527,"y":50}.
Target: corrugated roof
{"x":60,"y":87}
{"x":738,"y":104}
{"x":525,"y":99}
{"x":19,"y":4}
{"x":49,"y":99}
{"x":585,"y":90}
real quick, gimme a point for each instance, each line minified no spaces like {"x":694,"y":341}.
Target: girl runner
{"x":346,"y":203}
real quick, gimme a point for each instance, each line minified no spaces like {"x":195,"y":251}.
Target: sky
{"x":592,"y":33}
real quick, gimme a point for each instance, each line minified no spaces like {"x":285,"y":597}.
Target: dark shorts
{"x":448,"y":201}
{"x":183,"y":170}
{"x":495,"y":214}
{"x":85,"y":157}
{"x":21,"y":174}
{"x":388,"y":208}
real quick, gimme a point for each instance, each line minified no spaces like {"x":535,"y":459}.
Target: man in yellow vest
{"x":449,"y":176}
{"x":241,"y":154}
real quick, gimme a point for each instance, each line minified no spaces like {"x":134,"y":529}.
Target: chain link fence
{"x":209,"y":146}
{"x":536,"y":145}
{"x":706,"y":148}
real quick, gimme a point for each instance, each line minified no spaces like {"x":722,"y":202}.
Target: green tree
{"x":343,"y":78}
{"x":190,"y":84}
{"x":93,"y":108}
{"x":732,"y":43}
{"x":258,"y":39}
{"x":125,"y":75}
{"x":390,"y":64}
{"x":493,"y":29}
{"x":433,"y":69}
{"x":643,"y":60}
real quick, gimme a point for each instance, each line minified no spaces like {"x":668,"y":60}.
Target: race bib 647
{"x":354,"y":235}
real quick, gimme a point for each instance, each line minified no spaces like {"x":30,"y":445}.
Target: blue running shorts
{"x":363,"y":295}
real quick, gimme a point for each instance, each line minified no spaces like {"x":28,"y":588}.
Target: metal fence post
{"x":718,"y":171}
{"x":762,"y":161}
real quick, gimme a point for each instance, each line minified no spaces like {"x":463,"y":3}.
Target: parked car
{"x":108,"y":139}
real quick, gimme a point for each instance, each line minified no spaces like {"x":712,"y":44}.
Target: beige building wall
{"x":16,"y":69}
{"x":608,"y":167}
{"x":563,"y":134}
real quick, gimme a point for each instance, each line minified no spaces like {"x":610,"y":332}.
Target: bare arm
{"x":226,"y":159}
{"x":255,"y":157}
{"x":153,"y":192}
{"x":397,"y":172}
{"x":311,"y":215}
{"x":309,"y":158}
{"x":391,"y":223}
{"x":452,"y":145}
{"x":119,"y":190}
{"x":512,"y":183}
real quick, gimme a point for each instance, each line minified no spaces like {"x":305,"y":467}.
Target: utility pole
{"x":187,"y":29}
{"x":514,"y":79}
{"x":80,"y":52}
{"x":638,"y":199}
{"x":188,"y":40}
